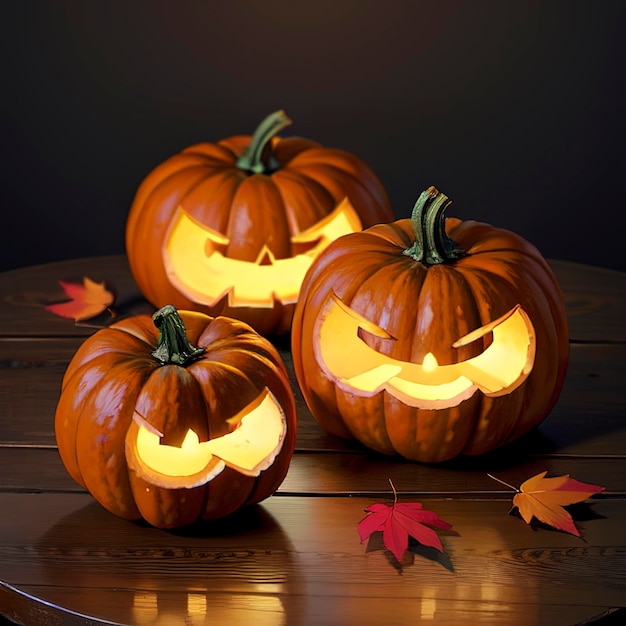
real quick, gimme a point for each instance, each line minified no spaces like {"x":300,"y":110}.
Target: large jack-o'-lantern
{"x":186,"y":418}
{"x":231,"y":228}
{"x":430,"y":338}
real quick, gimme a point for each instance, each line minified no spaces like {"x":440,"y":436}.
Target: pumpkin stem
{"x":432,"y":246}
{"x":174,"y":347}
{"x":255,"y":159}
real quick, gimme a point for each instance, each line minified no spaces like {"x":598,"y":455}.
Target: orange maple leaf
{"x":544,"y":498}
{"x":87,"y":300}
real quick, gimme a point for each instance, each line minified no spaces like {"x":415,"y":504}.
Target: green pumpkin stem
{"x":174,"y":347}
{"x":255,"y":159}
{"x":432,"y":246}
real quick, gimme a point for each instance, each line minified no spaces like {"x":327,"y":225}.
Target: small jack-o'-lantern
{"x":430,"y":338}
{"x":186,"y":418}
{"x":231,"y":228}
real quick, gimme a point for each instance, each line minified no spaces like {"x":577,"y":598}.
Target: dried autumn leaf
{"x":398,"y":521}
{"x":86,"y":300}
{"x":544,"y":498}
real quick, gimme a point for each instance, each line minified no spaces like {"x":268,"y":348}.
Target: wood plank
{"x":31,"y":372}
{"x":589,"y":418}
{"x":595,"y":297}
{"x":273,"y":560}
{"x":343,"y":474}
{"x":320,"y":474}
{"x":33,"y":353}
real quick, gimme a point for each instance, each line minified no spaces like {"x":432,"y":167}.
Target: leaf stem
{"x":395,"y":493}
{"x":503,"y":483}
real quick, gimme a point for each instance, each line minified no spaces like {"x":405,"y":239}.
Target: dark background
{"x":515,"y":109}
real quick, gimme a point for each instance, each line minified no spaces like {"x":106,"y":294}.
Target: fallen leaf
{"x":399,"y":520}
{"x":86,"y":300}
{"x":544,"y":498}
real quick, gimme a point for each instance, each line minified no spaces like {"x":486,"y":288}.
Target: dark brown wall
{"x":515,"y":109}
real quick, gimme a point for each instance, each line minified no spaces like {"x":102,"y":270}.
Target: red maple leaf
{"x":86,"y":300}
{"x":398,"y":521}
{"x":544,"y":498}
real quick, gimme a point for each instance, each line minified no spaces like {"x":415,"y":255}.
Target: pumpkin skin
{"x":114,"y":375}
{"x":425,"y":308}
{"x":257,"y":204}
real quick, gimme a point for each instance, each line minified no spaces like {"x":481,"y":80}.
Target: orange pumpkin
{"x":430,"y":338}
{"x":230,"y":228}
{"x":186,"y":418}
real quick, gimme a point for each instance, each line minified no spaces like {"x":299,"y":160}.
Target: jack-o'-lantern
{"x":231,"y":228}
{"x":176,"y":419}
{"x":430,"y":337}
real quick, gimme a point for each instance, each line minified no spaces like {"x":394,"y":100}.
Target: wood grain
{"x":595,"y":299}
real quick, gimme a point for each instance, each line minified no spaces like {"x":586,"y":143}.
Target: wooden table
{"x":297,"y":558}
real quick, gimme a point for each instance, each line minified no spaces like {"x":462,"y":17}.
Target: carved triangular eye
{"x":343,"y":220}
{"x":362,"y":322}
{"x":190,"y":227}
{"x":485,"y":330}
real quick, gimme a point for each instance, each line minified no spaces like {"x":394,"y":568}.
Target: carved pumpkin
{"x":430,"y":338}
{"x":186,"y":418}
{"x":230,"y":228}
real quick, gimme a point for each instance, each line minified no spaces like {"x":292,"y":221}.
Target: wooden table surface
{"x":297,"y":558}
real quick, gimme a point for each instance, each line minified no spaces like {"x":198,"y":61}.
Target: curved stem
{"x":395,"y":493}
{"x":254,"y":158}
{"x":503,"y":483}
{"x":432,"y":246}
{"x":174,"y":347}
